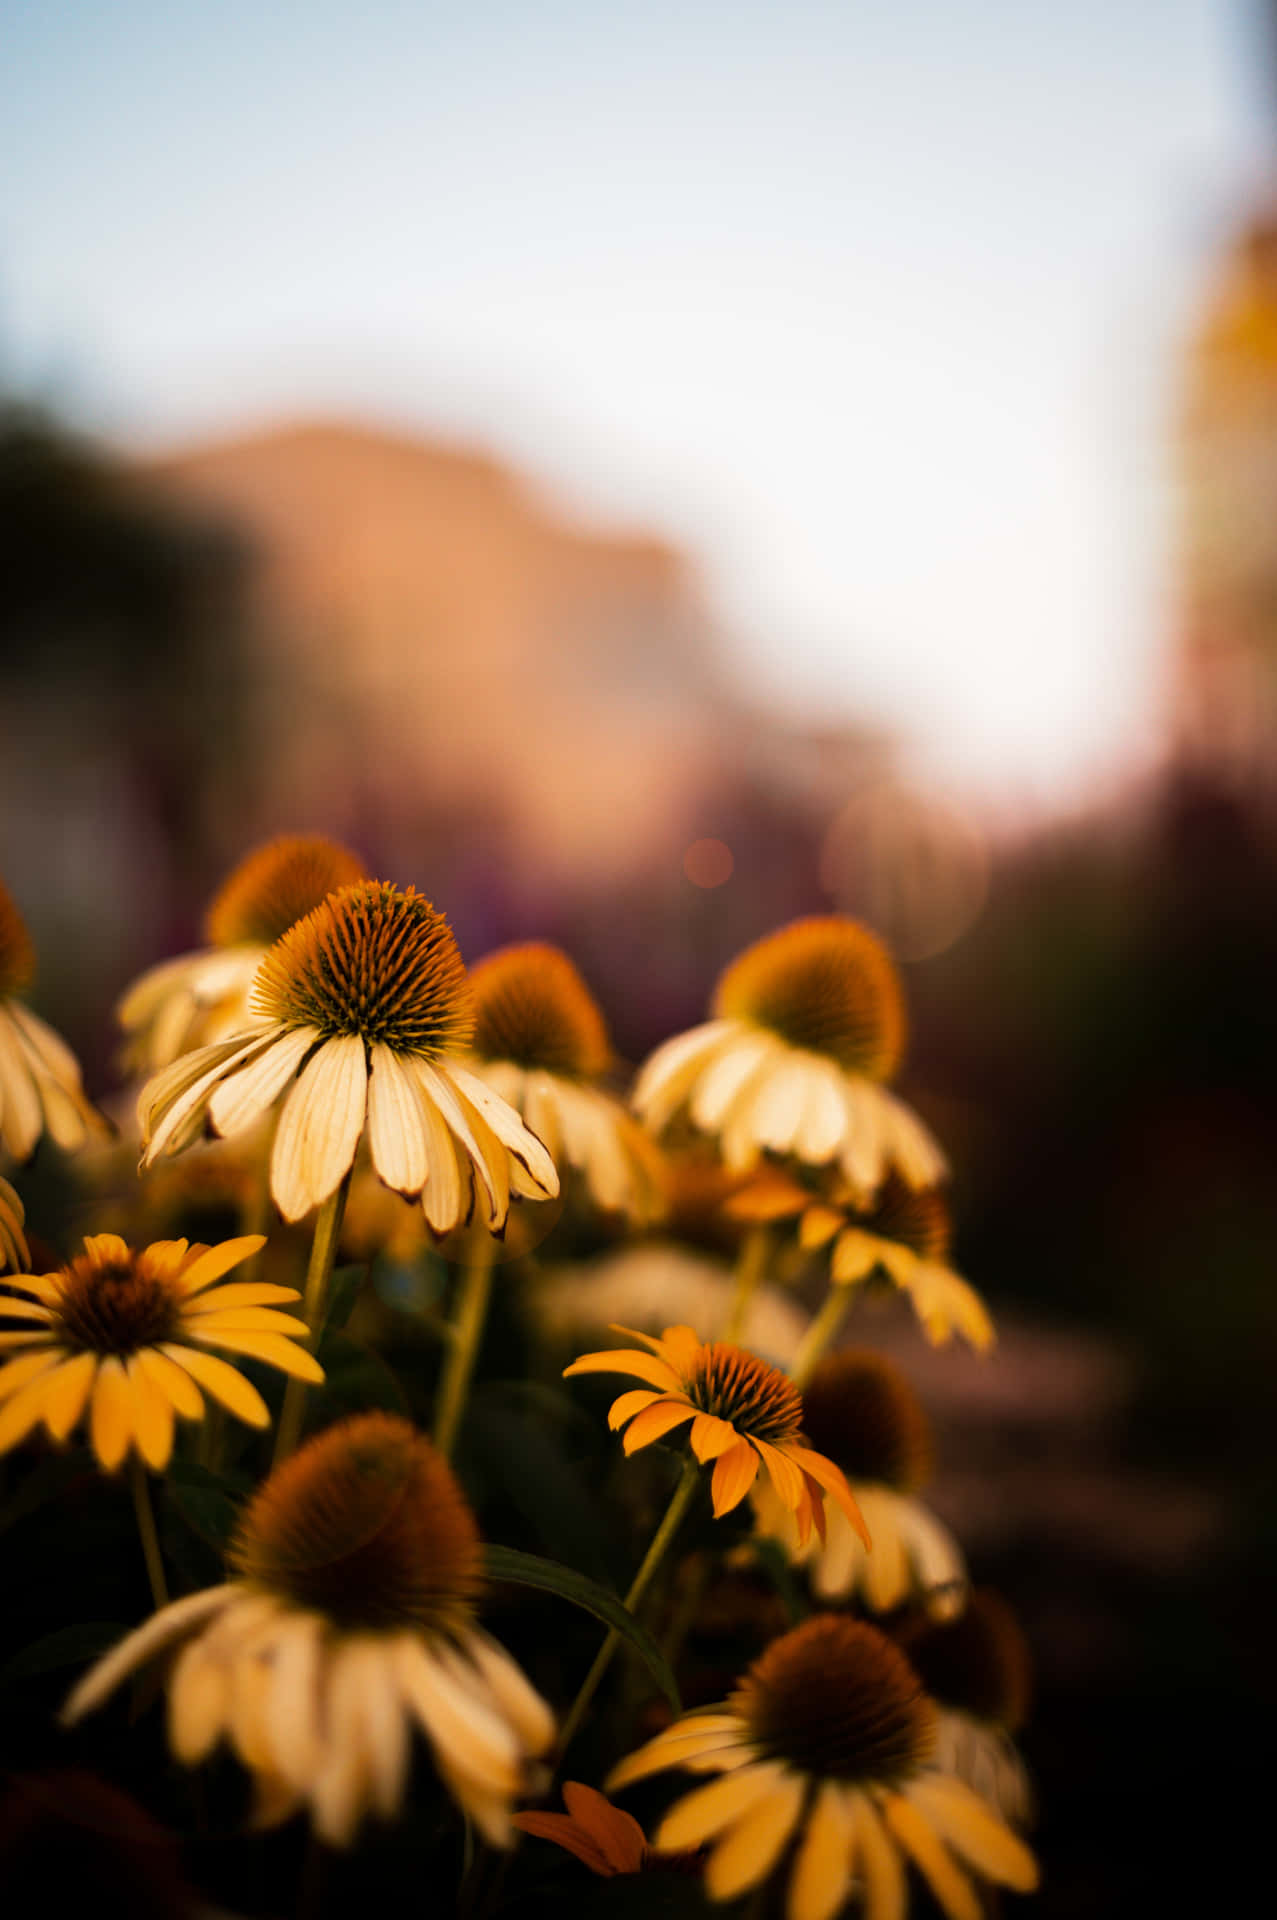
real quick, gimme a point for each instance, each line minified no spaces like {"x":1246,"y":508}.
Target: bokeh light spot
{"x":708,"y":863}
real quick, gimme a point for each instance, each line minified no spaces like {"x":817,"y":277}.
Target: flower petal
{"x":945,"y":1878}
{"x":877,"y":1862}
{"x":111,"y":1413}
{"x":220,"y":1379}
{"x":962,"y":1818}
{"x":319,"y":1126}
{"x":139,"y":1646}
{"x":707,"y":1810}
{"x":172,"y":1381}
{"x":734,"y":1474}
{"x":510,"y":1130}
{"x":273,"y":1348}
{"x":396,"y":1131}
{"x":711,"y":1437}
{"x":754,"y":1845}
{"x":620,"y":1410}
{"x":834,"y":1481}
{"x":152,"y":1416}
{"x":244,"y":1096}
{"x":645,"y":1366}
{"x":656,"y":1421}
{"x":822,"y":1869}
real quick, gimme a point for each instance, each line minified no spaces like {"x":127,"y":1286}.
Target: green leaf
{"x":528,"y":1570}
{"x":68,"y":1647}
{"x":343,"y":1291}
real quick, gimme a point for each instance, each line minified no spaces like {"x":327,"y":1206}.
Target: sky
{"x":876,"y":309}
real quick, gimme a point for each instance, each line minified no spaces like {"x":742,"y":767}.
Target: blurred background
{"x":641,"y":475}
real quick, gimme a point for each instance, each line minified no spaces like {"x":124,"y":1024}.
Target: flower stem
{"x":819,"y":1334}
{"x":465,"y":1334}
{"x":323,"y":1257}
{"x":146,"y":1528}
{"x":674,"y":1514}
{"x":751,"y":1264}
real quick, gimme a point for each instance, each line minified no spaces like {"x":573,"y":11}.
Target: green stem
{"x":146,"y":1528}
{"x":323,"y":1258}
{"x":684,"y":1494}
{"x":751,"y":1264}
{"x":819,"y":1334}
{"x":465,"y":1336}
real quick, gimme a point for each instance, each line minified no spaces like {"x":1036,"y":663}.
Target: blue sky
{"x":875,"y":308}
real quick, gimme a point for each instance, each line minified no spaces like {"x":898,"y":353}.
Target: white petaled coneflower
{"x":809,"y":1026}
{"x":977,"y":1669}
{"x":13,"y":1246}
{"x":40,"y":1088}
{"x":361,"y":1008}
{"x":827,"y":1748}
{"x":899,"y":1232}
{"x":744,"y":1414}
{"x":124,"y":1337}
{"x":350,"y":1621}
{"x":202,"y":997}
{"x":540,"y":1041}
{"x":861,"y":1413}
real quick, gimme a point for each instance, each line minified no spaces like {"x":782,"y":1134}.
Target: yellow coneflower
{"x":361,"y":1005}
{"x":202,"y":997}
{"x":977,"y":1669}
{"x":899,"y":1231}
{"x":605,"y":1839}
{"x":13,"y":1246}
{"x":540,"y":1041}
{"x":125,"y":1336}
{"x":744,"y":1415}
{"x":40,"y":1088}
{"x":861,"y":1412}
{"x":349,"y":1621}
{"x":809,"y":1025}
{"x":829,"y":1742}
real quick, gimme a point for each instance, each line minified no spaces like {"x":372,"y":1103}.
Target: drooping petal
{"x":319,"y":1127}
{"x":834,"y":1481}
{"x":734,"y":1474}
{"x":945,"y":1878}
{"x":822,"y":1869}
{"x":222,"y":1380}
{"x":962,"y":1818}
{"x":711,"y":1437}
{"x":171,"y":1380}
{"x":644,"y":1366}
{"x":152,"y":1416}
{"x":396,"y":1131}
{"x":706,"y":1811}
{"x":518,"y":1699}
{"x":273,"y":1348}
{"x":111,"y":1413}
{"x":244,"y":1096}
{"x":621,"y":1409}
{"x":753,"y":1846}
{"x":654,"y":1422}
{"x":509,"y":1129}
{"x":469,"y":1736}
{"x":877,"y":1862}
{"x":151,"y":1638}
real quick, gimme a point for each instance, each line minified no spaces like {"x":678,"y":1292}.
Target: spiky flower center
{"x":835,"y":1698}
{"x":978,"y":1663}
{"x":374,"y":962}
{"x":367,"y":1525}
{"x":861,"y":1412}
{"x":275,"y":886}
{"x":917,"y":1218}
{"x":17,"y":955}
{"x":533,"y":1007}
{"x":738,"y":1387}
{"x":824,"y":984}
{"x":115,"y":1306}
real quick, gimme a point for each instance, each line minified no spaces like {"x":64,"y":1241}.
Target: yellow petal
{"x":656,"y":1421}
{"x":27,"y":1367}
{"x":319,"y":1127}
{"x":111,"y":1413}
{"x":963,"y":1819}
{"x":619,"y":1412}
{"x":947,"y":1881}
{"x":833,"y":1480}
{"x":215,"y":1261}
{"x":21,"y":1412}
{"x":222,"y":1381}
{"x":711,"y":1436}
{"x":705,"y":1812}
{"x":66,"y":1392}
{"x":877,"y":1862}
{"x":734,"y":1474}
{"x":486,"y":1153}
{"x":240,"y":1293}
{"x":754,"y":1845}
{"x":822,"y":1869}
{"x":645,"y":1366}
{"x":785,"y":1476}
{"x":172,"y":1381}
{"x":217,"y":1319}
{"x":273,"y":1348}
{"x":152,"y":1417}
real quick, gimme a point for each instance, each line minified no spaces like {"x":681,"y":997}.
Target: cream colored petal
{"x":517,"y":1699}
{"x":174,"y":1080}
{"x":540,"y":1110}
{"x":222,"y":1380}
{"x":163,"y":1120}
{"x":21,"y":1121}
{"x":861,"y":1152}
{"x":209,"y":1266}
{"x":138,"y":1003}
{"x":45,"y":1046}
{"x":396,"y":1132}
{"x":385,"y":1729}
{"x":778,"y":1104}
{"x":667,"y":1076}
{"x":273,"y":1348}
{"x":241,"y":1100}
{"x":198,"y":1700}
{"x":909,"y":1144}
{"x":148,"y":1640}
{"x":877,"y":1862}
{"x":111,"y":1413}
{"x":726,"y":1078}
{"x":173,"y":1381}
{"x":339,"y":1791}
{"x":152,"y":1416}
{"x":489,"y":1809}
{"x":935,"y":1554}
{"x":66,"y":1115}
{"x":319,"y":1127}
{"x":838,"y":1566}
{"x":973,"y":1831}
{"x":485,"y":1152}
{"x":462,"y":1731}
{"x":907,"y":1824}
{"x":708,"y":1810}
{"x":820,"y":1880}
{"x":293,"y":1706}
{"x":509,"y":1129}
{"x":820,"y":1128}
{"x":753,"y":1846}
{"x":444,"y":1196}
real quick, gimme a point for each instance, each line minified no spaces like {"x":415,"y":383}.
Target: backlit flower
{"x":202,"y":997}
{"x":40,"y":1090}
{"x":744,"y":1415}
{"x":360,"y":1007}
{"x":828,"y":1742}
{"x":607,"y":1840}
{"x":898,"y":1232}
{"x":541,"y":1043}
{"x":976,"y":1667}
{"x":809,"y":1025}
{"x":124,"y":1336}
{"x":862,"y":1413}
{"x":349,"y":1622}
{"x":13,"y":1246}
